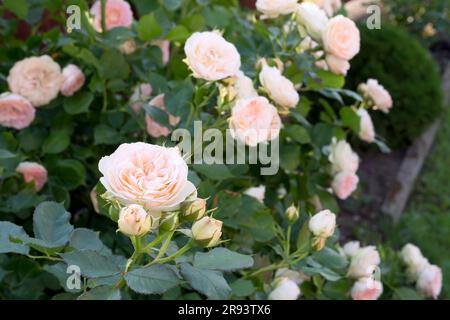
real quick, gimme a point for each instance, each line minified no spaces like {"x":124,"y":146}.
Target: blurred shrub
{"x":408,"y":71}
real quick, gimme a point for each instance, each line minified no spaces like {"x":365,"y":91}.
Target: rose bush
{"x":131,"y":75}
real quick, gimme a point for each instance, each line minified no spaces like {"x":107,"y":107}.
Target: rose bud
{"x":430,"y":281}
{"x":134,"y":220}
{"x":414,"y":260}
{"x":322,"y":225}
{"x":292,"y":214}
{"x":364,"y":263}
{"x":193,"y":210}
{"x":207,"y":231}
{"x":169,"y":221}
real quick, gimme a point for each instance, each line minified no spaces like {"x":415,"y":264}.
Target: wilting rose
{"x":351,"y":248}
{"x":256,"y":192}
{"x":380,"y":97}
{"x":15,"y":111}
{"x":211,"y":57}
{"x":329,"y":6}
{"x":336,"y":65}
{"x":135,"y":221}
{"x":312,"y":18}
{"x":274,"y":8}
{"x":164,"y":45}
{"x":322,"y":224}
{"x":117,"y":14}
{"x":342,"y":157}
{"x":366,"y":289}
{"x":150,"y":175}
{"x":141,"y":94}
{"x":37,"y":79}
{"x":430,"y":281}
{"x":344,"y":184}
{"x":33,"y":172}
{"x":128,"y":47}
{"x":154,"y":128}
{"x":414,"y":260}
{"x":364,"y":263}
{"x":73,"y":80}
{"x":254,"y":120}
{"x":280,"y":89}
{"x":207,"y":231}
{"x":285,"y":289}
{"x":367,"y":130}
{"x":341,"y":38}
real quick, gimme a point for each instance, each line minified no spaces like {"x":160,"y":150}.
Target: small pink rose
{"x":33,"y":172}
{"x":15,"y":111}
{"x":117,"y":14}
{"x":155,"y":129}
{"x":341,"y":38}
{"x":344,"y":184}
{"x":337,"y":66}
{"x":430,"y":281}
{"x":73,"y":80}
{"x":367,"y":289}
{"x":164,"y":45}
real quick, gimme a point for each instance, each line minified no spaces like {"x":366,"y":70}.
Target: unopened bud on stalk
{"x":194,"y":210}
{"x":292,"y":214}
{"x":207,"y":231}
{"x":134,"y":220}
{"x":322,"y":225}
{"x":169,"y":221}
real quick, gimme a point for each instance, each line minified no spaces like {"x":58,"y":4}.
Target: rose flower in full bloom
{"x":15,"y":111}
{"x":117,"y":14}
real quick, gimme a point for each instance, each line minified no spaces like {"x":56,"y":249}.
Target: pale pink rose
{"x":279,"y":88}
{"x":128,"y":47}
{"x":164,"y":45}
{"x":243,"y":86}
{"x":154,"y":128}
{"x":254,"y":120}
{"x":150,"y":175}
{"x":256,"y":192}
{"x":211,"y":57}
{"x":351,"y":248}
{"x":342,"y":157}
{"x":117,"y":14}
{"x":341,"y":38}
{"x":414,"y":260}
{"x":364,"y":263}
{"x":378,"y":94}
{"x":312,"y":18}
{"x":285,"y":289}
{"x":430,"y":281}
{"x":15,"y":111}
{"x":367,"y":131}
{"x":344,"y":184}
{"x":366,"y":289}
{"x":274,"y":8}
{"x":357,"y":9}
{"x":36,"y":78}
{"x":141,"y":94}
{"x":336,"y":65}
{"x":323,"y":224}
{"x":329,"y":6}
{"x":73,"y":80}
{"x":33,"y":172}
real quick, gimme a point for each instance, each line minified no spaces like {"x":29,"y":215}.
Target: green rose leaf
{"x":350,"y":119}
{"x":78,"y":103}
{"x":56,"y":142}
{"x":148,"y":28}
{"x":93,"y":264}
{"x":101,"y":293}
{"x":9,"y":230}
{"x":86,"y":239}
{"x":222,"y":259}
{"x":155,"y":279}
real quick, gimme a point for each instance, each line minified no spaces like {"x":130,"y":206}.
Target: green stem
{"x":103,"y":10}
{"x":288,"y":240}
{"x":44,"y":257}
{"x":165,"y":245}
{"x":268,"y":268}
{"x":185,"y":248}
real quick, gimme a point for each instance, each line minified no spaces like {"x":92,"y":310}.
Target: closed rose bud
{"x":292,"y":214}
{"x":73,"y":80}
{"x":285,"y":289}
{"x":364,"y":263}
{"x":366,"y":289}
{"x":351,"y":248}
{"x":33,"y":172}
{"x":414,"y":260}
{"x":194,"y":210}
{"x":134,"y":220}
{"x":323,"y":224}
{"x":169,"y":221}
{"x":312,"y":18}
{"x":430,"y":281}
{"x":207,"y":231}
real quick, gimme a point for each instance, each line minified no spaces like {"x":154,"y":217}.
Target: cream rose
{"x":152,"y":176}
{"x":243,"y":86}
{"x":285,"y":289}
{"x":135,"y":221}
{"x":336,"y":65}
{"x":274,"y":8}
{"x":414,"y":260}
{"x":254,"y":120}
{"x":351,"y":248}
{"x":154,"y":128}
{"x":128,"y":47}
{"x":117,"y":14}
{"x":344,"y":184}
{"x":341,"y":38}
{"x":322,"y":224}
{"x":73,"y":80}
{"x":342,"y":157}
{"x":37,"y":79}
{"x":15,"y":111}
{"x":256,"y":192}
{"x":207,"y":231}
{"x":366,"y":289}
{"x":367,"y":130}
{"x":364,"y":263}
{"x":211,"y":57}
{"x":312,"y":18}
{"x":380,"y":97}
{"x":430,"y":281}
{"x":33,"y":172}
{"x":280,"y":89}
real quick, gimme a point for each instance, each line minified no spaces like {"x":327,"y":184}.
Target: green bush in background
{"x":408,"y":71}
